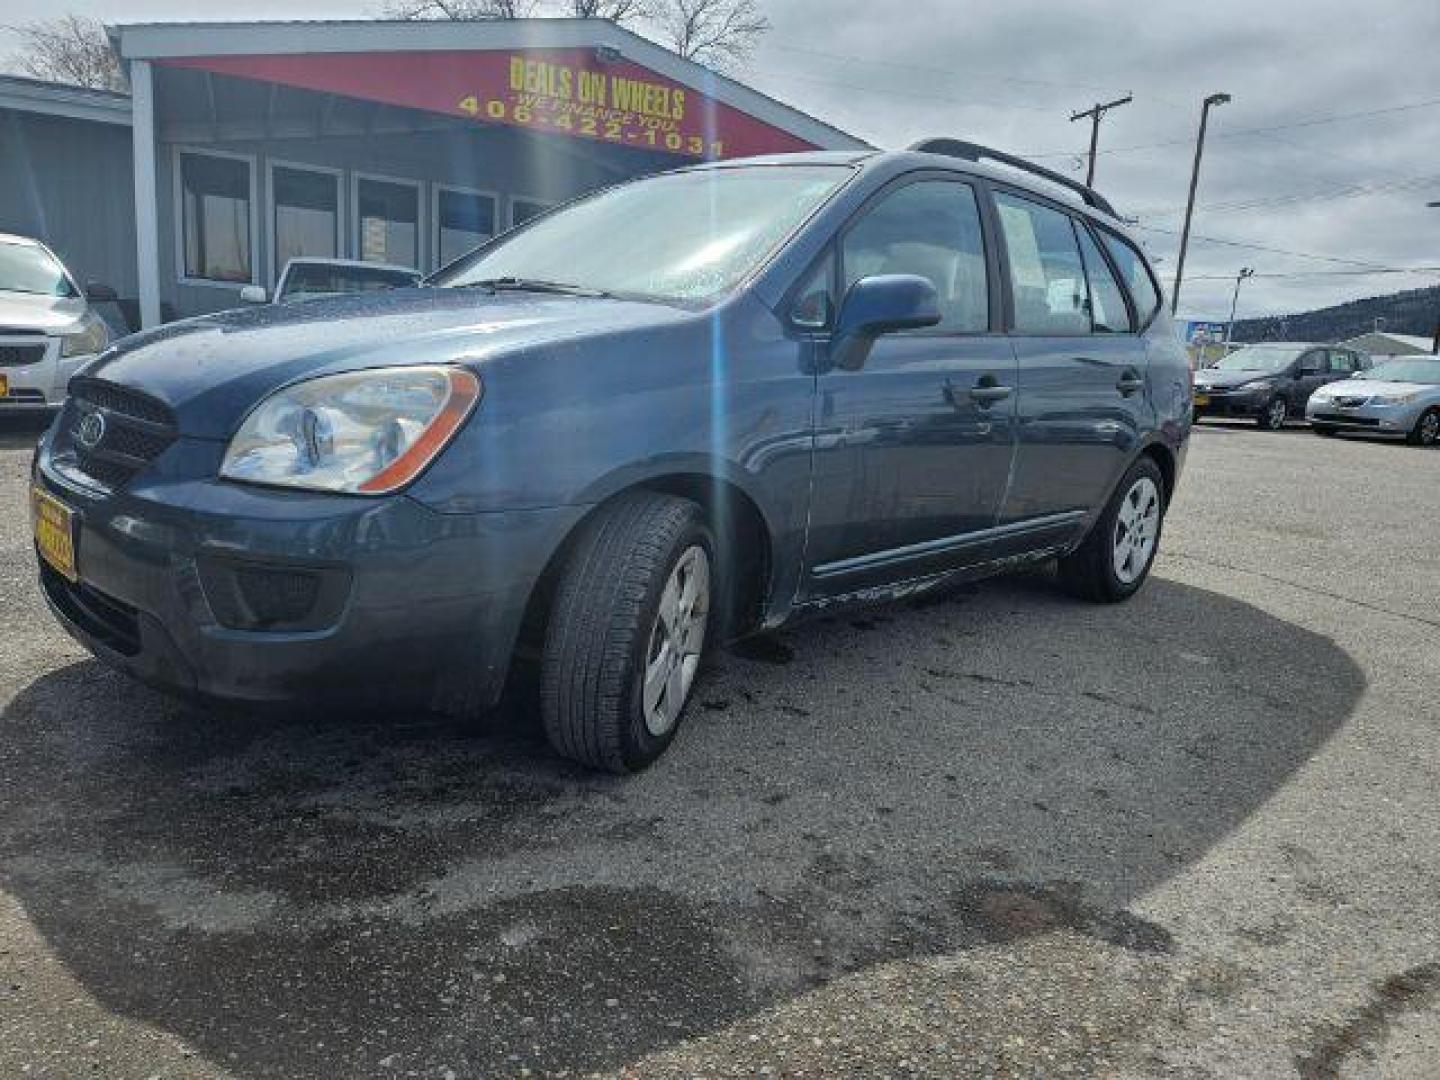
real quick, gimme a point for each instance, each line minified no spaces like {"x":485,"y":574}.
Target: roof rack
{"x":975,"y":152}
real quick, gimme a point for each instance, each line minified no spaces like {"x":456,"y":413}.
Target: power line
{"x":1261,"y":247}
{"x":1346,"y":192}
{"x":948,"y":72}
{"x":1324,"y":273}
{"x":1245,"y":132}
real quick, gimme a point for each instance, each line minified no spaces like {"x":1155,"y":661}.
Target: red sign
{"x":560,"y":91}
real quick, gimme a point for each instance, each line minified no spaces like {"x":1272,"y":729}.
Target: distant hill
{"x":1414,"y":311}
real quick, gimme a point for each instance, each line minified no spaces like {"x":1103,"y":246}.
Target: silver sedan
{"x":1396,"y":397}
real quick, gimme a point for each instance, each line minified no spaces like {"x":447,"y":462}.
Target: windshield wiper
{"x":519,"y":284}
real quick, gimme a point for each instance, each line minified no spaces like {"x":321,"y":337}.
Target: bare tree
{"x":71,"y":50}
{"x":617,"y":11}
{"x":720,"y":33}
{"x":461,"y":10}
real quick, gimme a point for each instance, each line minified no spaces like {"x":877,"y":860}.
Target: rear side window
{"x":1136,"y":275}
{"x":930,"y":228}
{"x":1108,"y":313}
{"x":1343,"y":362}
{"x":1047,"y":276}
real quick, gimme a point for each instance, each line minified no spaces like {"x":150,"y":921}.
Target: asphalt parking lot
{"x":1003,"y":833}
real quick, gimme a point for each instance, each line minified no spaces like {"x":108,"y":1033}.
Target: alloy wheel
{"x":1275,"y":414}
{"x":1429,"y":428}
{"x":676,"y":641}
{"x":1137,"y":526}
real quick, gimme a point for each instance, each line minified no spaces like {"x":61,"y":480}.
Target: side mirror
{"x":254,"y":294}
{"x":100,"y":293}
{"x":877,"y":305}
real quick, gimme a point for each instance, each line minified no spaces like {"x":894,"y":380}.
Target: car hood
{"x":214,"y":369}
{"x":29,"y":311}
{"x":1370,"y":387}
{"x":1227,"y":379}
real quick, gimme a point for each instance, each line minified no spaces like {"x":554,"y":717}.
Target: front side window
{"x":813,"y":307}
{"x":1047,"y":277}
{"x":930,"y":228}
{"x":389,"y":219}
{"x":1108,"y":313}
{"x":216,"y":198}
{"x":26,"y":268}
{"x":306,"y":214}
{"x":463,"y":221}
{"x":1136,"y":276}
{"x":681,"y":236}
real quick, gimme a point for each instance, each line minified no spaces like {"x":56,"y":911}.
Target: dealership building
{"x":242,"y":145}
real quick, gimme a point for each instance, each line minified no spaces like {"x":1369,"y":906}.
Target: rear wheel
{"x":1116,"y":557}
{"x":1272,"y":417}
{"x":627,"y":632}
{"x":1426,"y":431}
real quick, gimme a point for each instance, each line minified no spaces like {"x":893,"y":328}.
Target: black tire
{"x":1322,"y":429}
{"x":1426,"y":431}
{"x":1089,"y":571}
{"x":1272,"y":418}
{"x":606,"y":603}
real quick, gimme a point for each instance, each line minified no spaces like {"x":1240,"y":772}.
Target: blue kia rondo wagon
{"x":670,"y":413}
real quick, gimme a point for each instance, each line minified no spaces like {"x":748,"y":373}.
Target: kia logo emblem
{"x":90,"y":430}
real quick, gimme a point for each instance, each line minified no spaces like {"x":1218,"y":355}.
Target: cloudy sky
{"x":1321,"y":165}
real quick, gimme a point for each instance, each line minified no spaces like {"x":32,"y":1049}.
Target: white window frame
{"x":421,"y":232}
{"x":544,"y":204}
{"x":435,"y":189}
{"x":177,"y":204}
{"x":271,"y":164}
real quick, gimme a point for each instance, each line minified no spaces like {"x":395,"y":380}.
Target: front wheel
{"x":1272,"y":417}
{"x":1116,"y":557}
{"x":1426,"y":431}
{"x":627,"y":632}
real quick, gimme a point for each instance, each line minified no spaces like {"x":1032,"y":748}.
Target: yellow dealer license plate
{"x":1202,"y":399}
{"x":4,"y":385}
{"x":54,"y":532}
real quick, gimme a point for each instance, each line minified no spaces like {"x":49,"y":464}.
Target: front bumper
{"x":37,"y":383}
{"x":1378,"y":419}
{"x":413,"y":605}
{"x":1231,"y":403}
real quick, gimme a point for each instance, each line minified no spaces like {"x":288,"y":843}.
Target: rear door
{"x":1082,"y":400}
{"x":1314,"y":371}
{"x":912,"y":451}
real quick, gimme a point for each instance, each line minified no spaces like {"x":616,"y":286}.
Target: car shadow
{"x":348,"y":894}
{"x":21,"y":431}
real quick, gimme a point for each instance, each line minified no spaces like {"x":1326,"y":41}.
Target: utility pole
{"x":1210,"y":103}
{"x":1245,"y":271}
{"x":1095,"y":113}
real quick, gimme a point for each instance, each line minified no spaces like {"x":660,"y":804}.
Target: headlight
{"x":1259,"y":384}
{"x":1394,"y":399}
{"x":363,"y":432}
{"x":91,"y":337}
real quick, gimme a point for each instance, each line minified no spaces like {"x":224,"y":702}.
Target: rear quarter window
{"x":1136,"y":273}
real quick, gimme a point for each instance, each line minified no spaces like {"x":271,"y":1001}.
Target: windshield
{"x":1260,"y":358}
{"x":679,"y":236}
{"x":1412,"y":371}
{"x":26,"y":268}
{"x":323,"y":279}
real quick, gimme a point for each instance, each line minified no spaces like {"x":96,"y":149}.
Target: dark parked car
{"x":1272,"y":382}
{"x":679,"y":410}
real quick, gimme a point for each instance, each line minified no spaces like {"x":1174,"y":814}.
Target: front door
{"x":913,"y":450}
{"x":1081,"y":390}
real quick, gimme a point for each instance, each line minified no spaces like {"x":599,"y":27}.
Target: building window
{"x":215,"y":200}
{"x":522,"y":210}
{"x":305,"y":205}
{"x":463,"y":221}
{"x":388,"y":216}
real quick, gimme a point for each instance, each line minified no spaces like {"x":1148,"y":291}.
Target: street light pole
{"x":1245,"y":271}
{"x":1435,"y":342}
{"x":1210,"y":102}
{"x":1095,"y":113}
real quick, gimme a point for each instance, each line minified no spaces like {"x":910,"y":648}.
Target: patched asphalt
{"x":999,"y":832}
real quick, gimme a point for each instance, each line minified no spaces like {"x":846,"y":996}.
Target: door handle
{"x":1130,"y":382}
